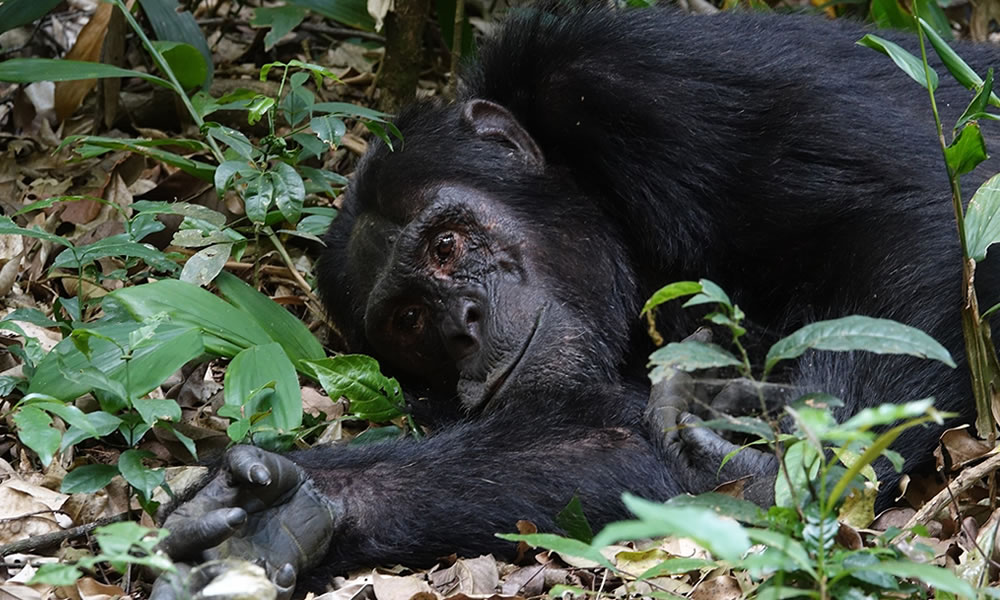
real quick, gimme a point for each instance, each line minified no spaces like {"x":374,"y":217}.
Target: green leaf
{"x":8,"y":227}
{"x":259,"y":196}
{"x":557,"y":543}
{"x":724,"y":538}
{"x":881,"y":336}
{"x":58,"y":373}
{"x":56,"y":573}
{"x":574,"y":522}
{"x":224,"y":174}
{"x":802,"y":461}
{"x":688,"y":356}
{"x":741,"y":510}
{"x":138,"y":475}
{"x":282,"y":326}
{"x":14,"y":13}
{"x":185,"y":61}
{"x":172,"y":23}
{"x":196,"y":168}
{"x":29,"y":70}
{"x":281,"y":20}
{"x":257,"y":366}
{"x":154,"y":409}
{"x":328,"y":128}
{"x":190,"y":305}
{"x":88,"y":479}
{"x":967,"y":150}
{"x":885,"y":414}
{"x":670,"y":292}
{"x":34,"y":428}
{"x":937,"y":578}
{"x":232,"y":138}
{"x":353,"y":13}
{"x":116,"y":246}
{"x":206,"y":264}
{"x":982,"y":219}
{"x":958,"y":68}
{"x":911,"y":65}
{"x":779,"y":542}
{"x":289,"y":191}
{"x":677,"y":566}
{"x":373,"y":396}
{"x":887,"y":14}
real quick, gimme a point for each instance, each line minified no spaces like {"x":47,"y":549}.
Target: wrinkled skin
{"x":496,"y":263}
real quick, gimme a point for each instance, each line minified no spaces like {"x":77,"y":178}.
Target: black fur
{"x":769,"y":154}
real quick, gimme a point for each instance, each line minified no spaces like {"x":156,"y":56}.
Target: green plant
{"x":122,"y":545}
{"x":978,"y":226}
{"x":826,"y":476}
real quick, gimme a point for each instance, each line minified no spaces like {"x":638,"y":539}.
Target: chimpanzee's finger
{"x":191,"y":536}
{"x":171,"y":586}
{"x":284,"y":581}
{"x":248,"y":464}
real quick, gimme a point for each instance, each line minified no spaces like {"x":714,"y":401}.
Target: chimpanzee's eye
{"x":409,"y":319}
{"x":444,"y":246}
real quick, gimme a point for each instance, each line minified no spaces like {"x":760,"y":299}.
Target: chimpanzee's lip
{"x":497,"y":379}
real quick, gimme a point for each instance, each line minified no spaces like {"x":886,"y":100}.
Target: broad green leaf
{"x":958,"y":68}
{"x":225,"y":173}
{"x":785,"y":545}
{"x":887,"y":14}
{"x":35,"y":430}
{"x":281,"y":19}
{"x":102,"y":422}
{"x":982,"y":219}
{"x":353,"y":13}
{"x":185,"y":61}
{"x":205,"y":264}
{"x":59,"y":574}
{"x":115,"y":246}
{"x":87,"y":479}
{"x":8,"y":227}
{"x":139,"y":476}
{"x":930,"y":11}
{"x":155,"y":409}
{"x":375,"y":435}
{"x":282,"y":326}
{"x":881,"y":336}
{"x":938,"y":578}
{"x":979,"y":104}
{"x":557,"y":543}
{"x":741,"y":510}
{"x":967,"y":150}
{"x":886,"y":414}
{"x":149,"y":367}
{"x":911,"y":65}
{"x":259,"y":196}
{"x":574,"y":522}
{"x":94,"y":145}
{"x":344,"y":109}
{"x":289,"y":191}
{"x":688,"y":356}
{"x":256,"y":367}
{"x":724,"y":538}
{"x":328,"y":128}
{"x":172,"y":23}
{"x":711,"y":293}
{"x":802,"y":461}
{"x":670,"y":292}
{"x":373,"y":396}
{"x":29,"y":70}
{"x":190,"y":305}
{"x":14,"y":13}
{"x":232,"y":138}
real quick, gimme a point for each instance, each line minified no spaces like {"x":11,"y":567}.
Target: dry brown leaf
{"x":26,"y":510}
{"x":395,"y":587}
{"x":957,"y":447}
{"x":69,"y":94}
{"x":724,"y":587}
{"x":473,"y":576}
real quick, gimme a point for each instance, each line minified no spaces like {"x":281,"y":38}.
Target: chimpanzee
{"x":497,"y":260}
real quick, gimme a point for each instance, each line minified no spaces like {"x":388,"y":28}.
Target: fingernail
{"x":259,"y":475}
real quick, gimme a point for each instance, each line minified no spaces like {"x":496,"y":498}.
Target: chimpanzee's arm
{"x":413,"y":501}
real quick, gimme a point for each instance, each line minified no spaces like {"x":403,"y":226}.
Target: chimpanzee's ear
{"x":490,"y":120}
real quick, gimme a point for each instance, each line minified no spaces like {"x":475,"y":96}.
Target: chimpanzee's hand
{"x":694,"y":452}
{"x":259,"y":507}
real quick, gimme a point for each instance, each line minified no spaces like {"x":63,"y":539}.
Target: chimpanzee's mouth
{"x":482,"y":394}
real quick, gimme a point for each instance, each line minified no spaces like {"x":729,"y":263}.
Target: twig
{"x":964,"y":481}
{"x":46,"y":540}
